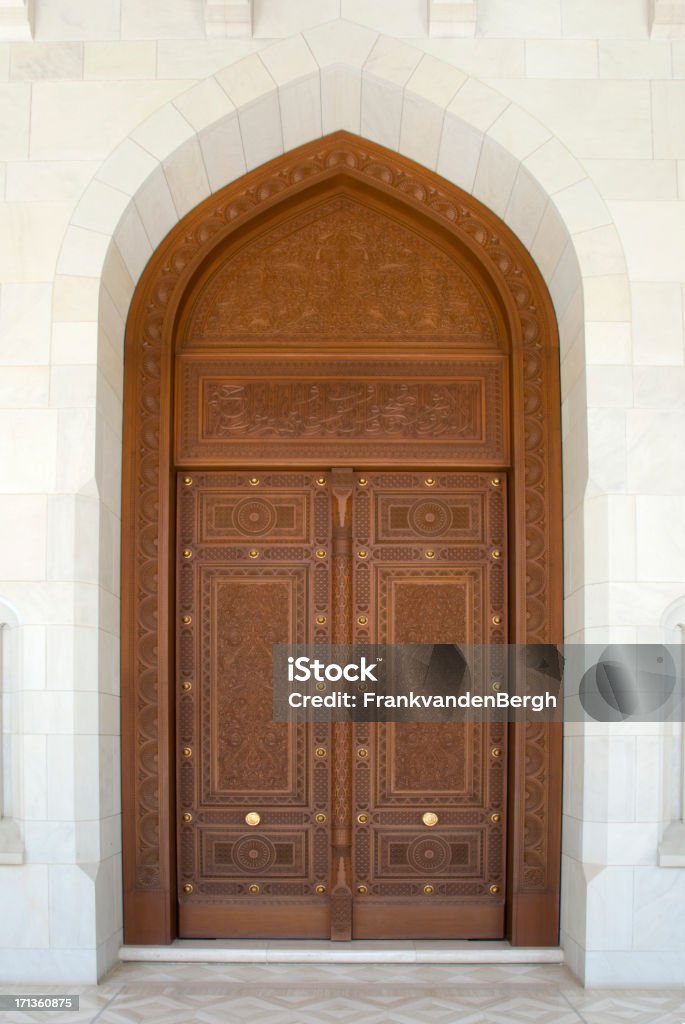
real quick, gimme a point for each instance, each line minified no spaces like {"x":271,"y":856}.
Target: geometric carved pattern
{"x":284,"y":518}
{"x":254,"y":853}
{"x":428,"y":518}
{"x":526,"y":327}
{"x":429,"y":855}
{"x":254,"y":517}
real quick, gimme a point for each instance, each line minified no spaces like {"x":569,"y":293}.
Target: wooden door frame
{"x":148,"y":753}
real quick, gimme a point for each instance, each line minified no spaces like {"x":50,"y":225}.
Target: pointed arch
{"x":522,"y":309}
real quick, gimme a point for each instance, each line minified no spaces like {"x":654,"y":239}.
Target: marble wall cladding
{"x":567,"y":121}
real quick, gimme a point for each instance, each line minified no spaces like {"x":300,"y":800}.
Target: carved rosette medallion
{"x":428,"y":855}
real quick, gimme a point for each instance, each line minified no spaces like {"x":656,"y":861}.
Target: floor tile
{"x":635,"y":1006}
{"x":335,"y":1004}
{"x":306,"y":993}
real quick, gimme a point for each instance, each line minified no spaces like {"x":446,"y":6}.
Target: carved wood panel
{"x":341,"y":268}
{"x":249,"y":577}
{"x":430,"y":567}
{"x":367,"y":410}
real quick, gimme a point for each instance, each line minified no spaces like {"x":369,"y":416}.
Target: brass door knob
{"x":430,"y":818}
{"x":252,"y":818}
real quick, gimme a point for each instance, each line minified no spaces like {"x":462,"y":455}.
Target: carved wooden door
{"x":429,"y":799}
{"x":338,"y":307}
{"x":366,"y":831}
{"x":253,"y":839}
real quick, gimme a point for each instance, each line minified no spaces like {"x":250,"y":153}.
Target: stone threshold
{"x":293,"y":951}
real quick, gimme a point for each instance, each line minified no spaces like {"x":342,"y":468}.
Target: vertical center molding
{"x":342,"y":483}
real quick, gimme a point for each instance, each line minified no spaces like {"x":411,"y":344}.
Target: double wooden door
{"x":342,"y":830}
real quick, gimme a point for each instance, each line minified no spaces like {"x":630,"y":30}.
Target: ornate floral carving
{"x":341,"y":270}
{"x":244,"y":617}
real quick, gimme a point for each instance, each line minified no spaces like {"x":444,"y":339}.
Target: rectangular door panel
{"x":251,"y":850}
{"x":429,"y":798}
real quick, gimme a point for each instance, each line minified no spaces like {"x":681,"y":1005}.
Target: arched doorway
{"x":341,"y":406}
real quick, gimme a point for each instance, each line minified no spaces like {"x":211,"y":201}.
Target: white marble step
{"x":294,"y":951}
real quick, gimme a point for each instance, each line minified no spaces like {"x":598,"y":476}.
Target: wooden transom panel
{"x":238,"y":411}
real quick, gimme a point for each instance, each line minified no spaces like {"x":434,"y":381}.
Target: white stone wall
{"x":564,"y":117}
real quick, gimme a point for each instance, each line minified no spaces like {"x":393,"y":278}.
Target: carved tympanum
{"x":341,"y":270}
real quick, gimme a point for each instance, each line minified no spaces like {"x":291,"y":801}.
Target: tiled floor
{"x":358,"y":994}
